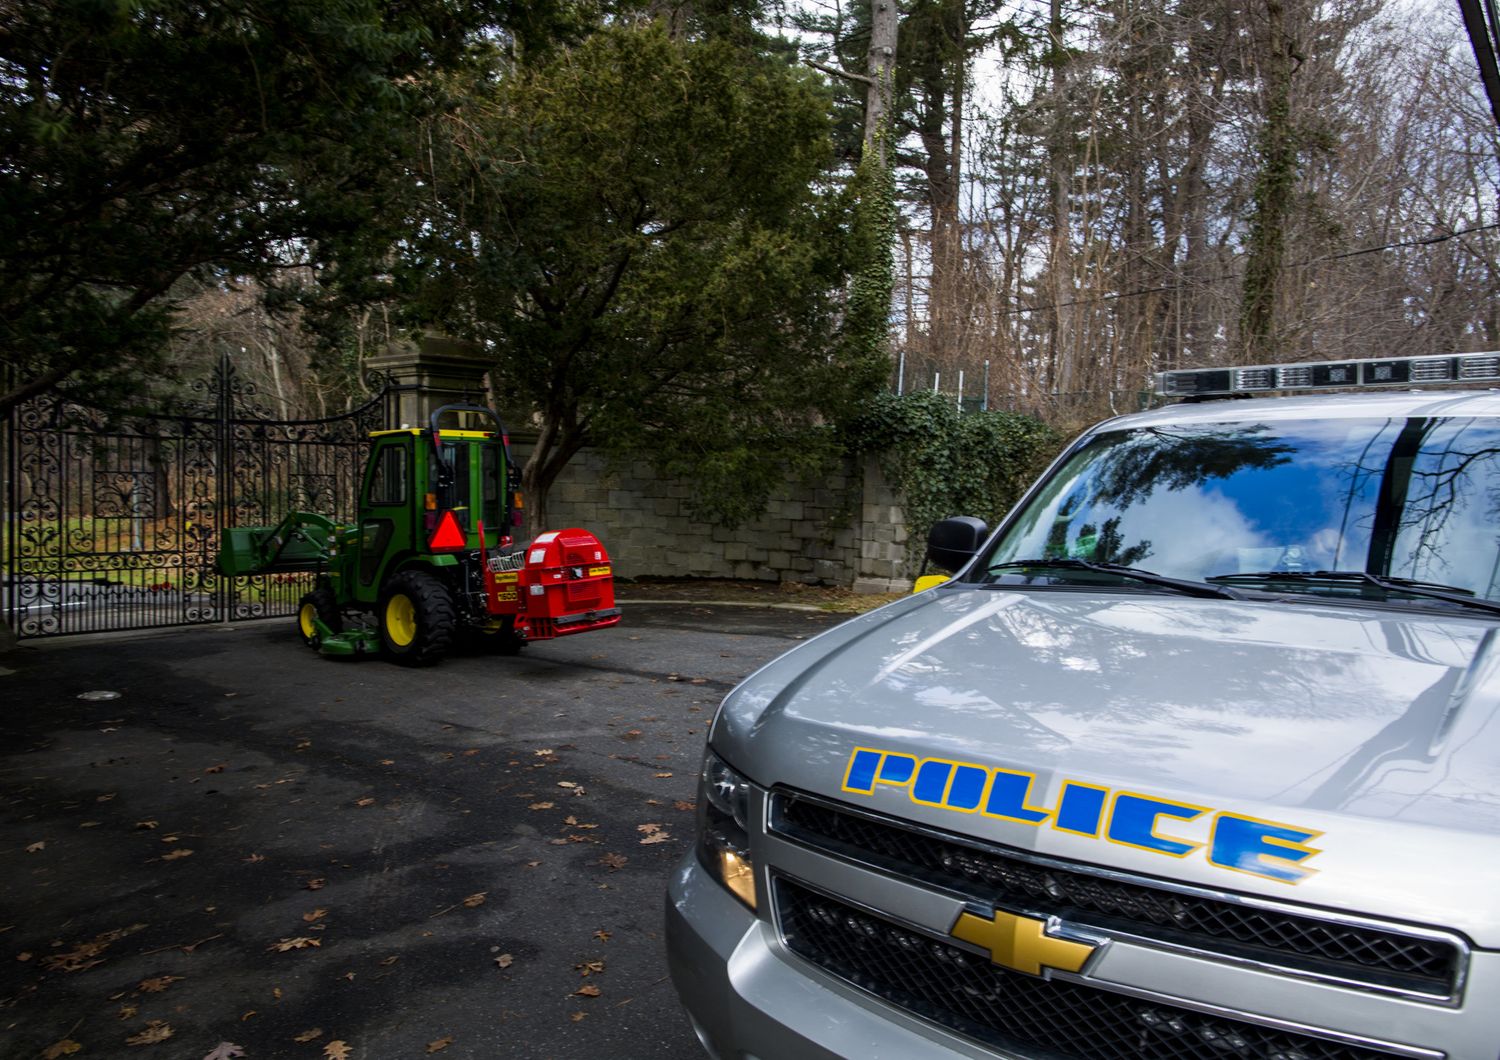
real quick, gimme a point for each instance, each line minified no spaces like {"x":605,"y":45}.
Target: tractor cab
{"x":436,"y":492}
{"x":473,"y":483}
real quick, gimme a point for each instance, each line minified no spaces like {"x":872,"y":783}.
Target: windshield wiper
{"x":1423,"y":590}
{"x":1181,"y":585}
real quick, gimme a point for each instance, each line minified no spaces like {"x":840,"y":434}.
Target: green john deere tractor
{"x":431,"y":558}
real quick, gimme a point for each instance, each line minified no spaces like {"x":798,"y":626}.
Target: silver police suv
{"x":1197,"y":757}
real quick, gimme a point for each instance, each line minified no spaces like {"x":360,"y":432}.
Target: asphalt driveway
{"x":270,"y":854}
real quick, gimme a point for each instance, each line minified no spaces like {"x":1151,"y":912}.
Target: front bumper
{"x":749,"y":999}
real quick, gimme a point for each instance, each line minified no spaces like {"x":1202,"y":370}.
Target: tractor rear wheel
{"x":324,"y":606}
{"x":416,"y":619}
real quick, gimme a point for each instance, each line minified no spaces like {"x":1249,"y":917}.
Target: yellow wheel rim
{"x":305,"y":620}
{"x":400,"y":620}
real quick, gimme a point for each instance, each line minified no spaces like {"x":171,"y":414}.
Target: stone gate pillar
{"x":429,"y":372}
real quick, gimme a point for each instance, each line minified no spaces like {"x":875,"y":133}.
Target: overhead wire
{"x":1227,"y":276}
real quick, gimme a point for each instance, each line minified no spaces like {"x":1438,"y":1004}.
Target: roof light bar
{"x":1330,"y":375}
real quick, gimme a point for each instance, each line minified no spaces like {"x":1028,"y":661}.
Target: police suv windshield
{"x":1271,"y":504}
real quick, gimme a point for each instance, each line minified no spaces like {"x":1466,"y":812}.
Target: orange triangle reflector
{"x":448,"y":535}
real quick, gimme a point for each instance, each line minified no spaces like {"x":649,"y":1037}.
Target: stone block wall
{"x":849,"y":531}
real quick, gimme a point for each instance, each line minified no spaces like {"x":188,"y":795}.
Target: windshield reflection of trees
{"x":1130,"y":469}
{"x":1408,"y":481}
{"x":1424,"y":480}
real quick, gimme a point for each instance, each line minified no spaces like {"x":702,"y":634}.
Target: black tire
{"x":506,"y":641}
{"x":324,"y":606}
{"x":416,"y":619}
{"x":477,"y":640}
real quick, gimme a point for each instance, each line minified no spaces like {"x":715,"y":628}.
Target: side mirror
{"x":952,"y":542}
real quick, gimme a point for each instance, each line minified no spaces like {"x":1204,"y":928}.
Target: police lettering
{"x":1270,"y":850}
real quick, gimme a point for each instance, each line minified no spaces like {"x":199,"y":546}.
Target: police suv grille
{"x":1010,"y":1011}
{"x":1350,"y":952}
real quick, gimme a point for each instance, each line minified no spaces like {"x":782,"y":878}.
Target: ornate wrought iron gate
{"x":112,"y":519}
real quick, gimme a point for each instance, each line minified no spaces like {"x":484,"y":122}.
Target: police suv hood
{"x":1371,"y":730}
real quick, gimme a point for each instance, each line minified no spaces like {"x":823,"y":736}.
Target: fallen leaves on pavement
{"x":180,"y":852}
{"x":157,"y":985}
{"x":613,"y":861}
{"x":309,"y":1035}
{"x":225,"y":1051}
{"x":299,"y":943}
{"x":316,"y":884}
{"x":654,"y":834}
{"x":587,"y":990}
{"x":505,"y":960}
{"x":541,"y":805}
{"x":439,"y":1045}
{"x":475,"y":900}
{"x":87,"y":954}
{"x":37,"y":848}
{"x":314,"y":916}
{"x":336,"y":1050}
{"x":156,"y":1031}
{"x":66,"y":1047}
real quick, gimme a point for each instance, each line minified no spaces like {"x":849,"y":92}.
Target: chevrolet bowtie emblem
{"x":1021,"y":943}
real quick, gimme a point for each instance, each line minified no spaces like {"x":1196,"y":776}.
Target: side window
{"x":490,"y":474}
{"x":455,"y":494}
{"x":389,"y":479}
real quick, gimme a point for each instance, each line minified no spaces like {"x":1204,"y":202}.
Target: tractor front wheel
{"x":322,"y":605}
{"x":416,"y":619}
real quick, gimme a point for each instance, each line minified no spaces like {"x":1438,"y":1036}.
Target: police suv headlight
{"x":724,"y":828}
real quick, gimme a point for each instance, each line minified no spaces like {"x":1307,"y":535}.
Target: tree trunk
{"x":1059,"y":194}
{"x":942,"y":139}
{"x":1273,"y":190}
{"x":556,"y":444}
{"x":882,"y":71}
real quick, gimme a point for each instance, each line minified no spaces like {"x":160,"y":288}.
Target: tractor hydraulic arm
{"x":299,"y":542}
